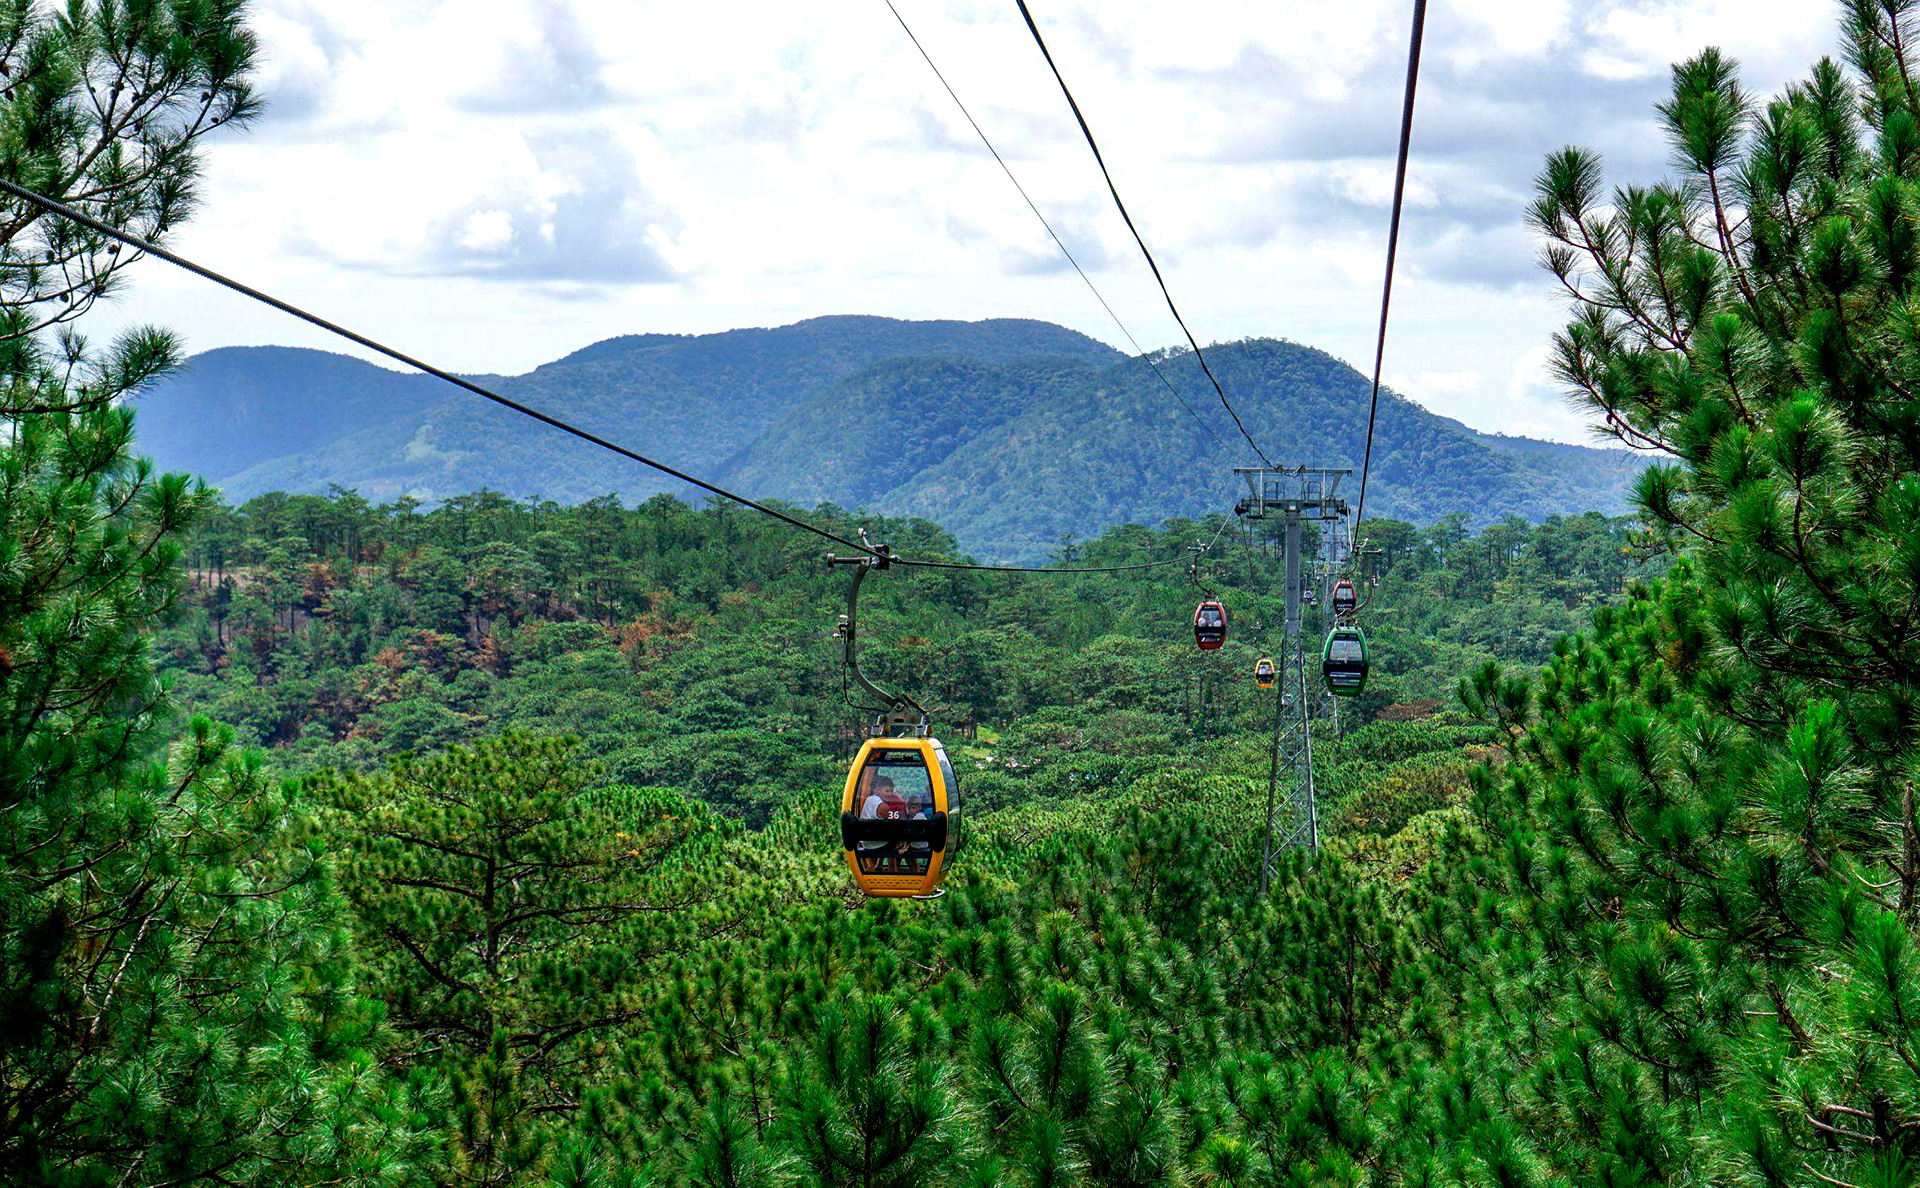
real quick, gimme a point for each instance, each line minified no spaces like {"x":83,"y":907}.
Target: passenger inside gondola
{"x":879,"y":801}
{"x":1346,"y":651}
{"x":895,"y":791}
{"x":919,"y":853}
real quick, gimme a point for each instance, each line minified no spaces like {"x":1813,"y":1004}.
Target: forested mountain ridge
{"x":694,"y":400}
{"x":1007,"y":432}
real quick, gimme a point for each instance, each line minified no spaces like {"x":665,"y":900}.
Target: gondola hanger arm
{"x":898,"y":711}
{"x":1199,"y":552}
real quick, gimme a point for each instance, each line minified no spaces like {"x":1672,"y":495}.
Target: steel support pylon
{"x":1298,"y":495}
{"x":1292,"y":816}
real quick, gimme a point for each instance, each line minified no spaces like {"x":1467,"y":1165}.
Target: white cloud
{"x":1524,"y":402}
{"x":1447,"y":384}
{"x":1616,"y":68}
{"x":1530,"y":385}
{"x":492,"y":183}
{"x":1492,"y":30}
{"x":1769,"y":35}
{"x":1370,"y":183}
{"x":487,"y":231}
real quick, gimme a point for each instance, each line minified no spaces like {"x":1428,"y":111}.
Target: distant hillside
{"x":1006,"y":432}
{"x":243,"y":406}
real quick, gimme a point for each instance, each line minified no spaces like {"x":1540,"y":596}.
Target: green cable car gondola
{"x":1343,"y":662}
{"x":1263,"y":672}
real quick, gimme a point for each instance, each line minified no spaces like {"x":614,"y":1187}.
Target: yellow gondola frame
{"x":941,"y":830}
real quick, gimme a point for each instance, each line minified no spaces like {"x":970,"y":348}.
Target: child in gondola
{"x":882,"y":804}
{"x":919,"y":853}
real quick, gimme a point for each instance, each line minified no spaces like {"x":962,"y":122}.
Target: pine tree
{"x":873,"y":1105}
{"x":1070,"y":1103}
{"x":729,"y":1151}
{"x":1690,"y":953}
{"x":175,"y":979}
{"x":509,"y":926}
{"x":106,"y":104}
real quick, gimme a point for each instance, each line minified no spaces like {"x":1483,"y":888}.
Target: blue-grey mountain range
{"x":1007,"y":432}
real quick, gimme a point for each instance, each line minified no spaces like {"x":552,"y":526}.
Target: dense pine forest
{"x":494,"y":842}
{"x":690,"y":648}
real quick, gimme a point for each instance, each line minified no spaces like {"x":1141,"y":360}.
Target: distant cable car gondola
{"x":1210,"y":625}
{"x":1263,"y":673}
{"x":900,"y":807}
{"x":1343,"y":663}
{"x":1346,"y":599}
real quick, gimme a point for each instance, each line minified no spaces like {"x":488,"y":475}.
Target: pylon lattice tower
{"x":1298,"y":495}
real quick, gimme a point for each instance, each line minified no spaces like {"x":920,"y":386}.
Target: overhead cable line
{"x":1393,"y":247}
{"x":52,"y":206}
{"x":1139,"y":350}
{"x":1115,"y":191}
{"x":1032,"y":568}
{"x":92,"y":224}
{"x":1224,"y":524}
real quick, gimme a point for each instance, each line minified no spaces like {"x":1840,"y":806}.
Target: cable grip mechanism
{"x":897,"y":713}
{"x":1199,"y":552}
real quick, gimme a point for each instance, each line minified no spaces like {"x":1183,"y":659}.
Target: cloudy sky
{"x":493,"y":183}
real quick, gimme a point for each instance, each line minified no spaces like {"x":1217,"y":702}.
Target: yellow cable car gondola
{"x":900,"y":807}
{"x":1263,"y":672}
{"x":898,"y":813}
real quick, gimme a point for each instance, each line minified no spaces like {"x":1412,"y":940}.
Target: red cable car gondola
{"x":1210,"y":625}
{"x":1346,"y":599}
